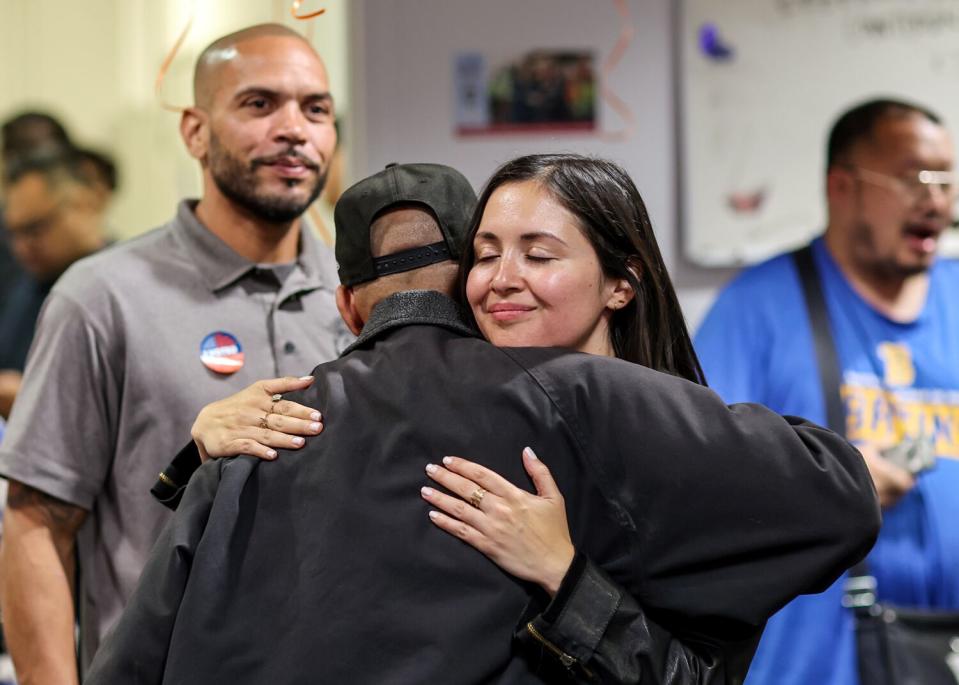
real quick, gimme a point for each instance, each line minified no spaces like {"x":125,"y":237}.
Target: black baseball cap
{"x":441,"y":189}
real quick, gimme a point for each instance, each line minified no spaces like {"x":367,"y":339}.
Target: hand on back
{"x":525,"y":534}
{"x":256,"y":421}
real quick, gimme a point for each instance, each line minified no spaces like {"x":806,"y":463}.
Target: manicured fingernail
{"x":427,"y":492}
{"x":271,"y":454}
{"x":306,"y":378}
{"x":530,"y":453}
{"x":298,"y":441}
{"x":434,"y":515}
{"x":316,"y":416}
{"x":315,"y":427}
{"x":431,"y":468}
{"x":447,"y":460}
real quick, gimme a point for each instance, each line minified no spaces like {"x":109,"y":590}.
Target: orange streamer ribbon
{"x":626,"y":35}
{"x":295,"y":8}
{"x":168,"y":60}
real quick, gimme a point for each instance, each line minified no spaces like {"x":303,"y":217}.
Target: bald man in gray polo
{"x":134,"y":341}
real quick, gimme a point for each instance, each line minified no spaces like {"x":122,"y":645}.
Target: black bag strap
{"x":826,"y":358}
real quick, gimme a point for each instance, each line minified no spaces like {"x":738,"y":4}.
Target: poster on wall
{"x":541,"y":91}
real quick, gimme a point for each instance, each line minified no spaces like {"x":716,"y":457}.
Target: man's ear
{"x":346,"y":304}
{"x":194,"y":129}
{"x":840,"y":183}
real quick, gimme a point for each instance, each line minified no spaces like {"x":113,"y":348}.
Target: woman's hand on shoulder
{"x":256,"y":421}
{"x":525,"y":534}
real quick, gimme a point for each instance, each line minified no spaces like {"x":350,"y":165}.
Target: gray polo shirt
{"x":115,"y":379}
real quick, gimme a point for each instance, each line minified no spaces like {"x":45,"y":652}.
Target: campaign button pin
{"x":221,"y":352}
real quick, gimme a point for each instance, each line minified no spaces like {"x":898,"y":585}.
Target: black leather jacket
{"x":694,"y":522}
{"x":595,"y":632}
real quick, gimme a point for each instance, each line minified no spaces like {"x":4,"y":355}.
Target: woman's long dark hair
{"x":650,"y":330}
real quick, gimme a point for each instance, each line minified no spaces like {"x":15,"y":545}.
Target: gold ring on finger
{"x":264,"y":421}
{"x":477,"y":497}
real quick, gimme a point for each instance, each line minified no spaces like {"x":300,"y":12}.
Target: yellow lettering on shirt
{"x":883,"y":417}
{"x":897,"y":364}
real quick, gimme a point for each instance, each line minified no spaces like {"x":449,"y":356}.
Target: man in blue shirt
{"x":890,"y":191}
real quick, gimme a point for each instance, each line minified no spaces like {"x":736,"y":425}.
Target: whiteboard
{"x":761,"y":83}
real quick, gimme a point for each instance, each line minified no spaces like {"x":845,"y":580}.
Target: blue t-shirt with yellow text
{"x":898,"y":380}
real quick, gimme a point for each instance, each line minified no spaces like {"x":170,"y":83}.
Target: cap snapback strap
{"x":414,"y":258}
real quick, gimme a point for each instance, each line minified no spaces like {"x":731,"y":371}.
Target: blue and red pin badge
{"x":221,"y":352}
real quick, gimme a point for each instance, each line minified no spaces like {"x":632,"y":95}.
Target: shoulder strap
{"x":826,"y":358}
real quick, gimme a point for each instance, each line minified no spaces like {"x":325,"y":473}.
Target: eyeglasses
{"x":914,"y":186}
{"x":32,"y":230}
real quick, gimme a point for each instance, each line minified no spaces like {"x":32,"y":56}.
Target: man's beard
{"x":238,"y":182}
{"x":866,"y":250}
{"x":881,"y":267}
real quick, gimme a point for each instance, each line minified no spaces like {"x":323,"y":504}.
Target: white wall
{"x":402,"y":59}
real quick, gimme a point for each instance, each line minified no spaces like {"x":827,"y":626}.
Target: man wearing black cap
{"x":417,"y":216}
{"x":322,"y":567}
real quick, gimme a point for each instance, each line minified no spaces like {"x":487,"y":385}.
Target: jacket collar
{"x":413,"y":307}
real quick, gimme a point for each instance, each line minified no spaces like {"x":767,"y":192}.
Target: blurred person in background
{"x":890,"y":190}
{"x":30,"y":132}
{"x":56,"y":203}
{"x":21,"y":135}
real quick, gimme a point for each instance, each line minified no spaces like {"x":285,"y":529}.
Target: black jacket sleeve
{"x":136,"y":650}
{"x":172,"y":481}
{"x":732,"y":510}
{"x":593,"y":631}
